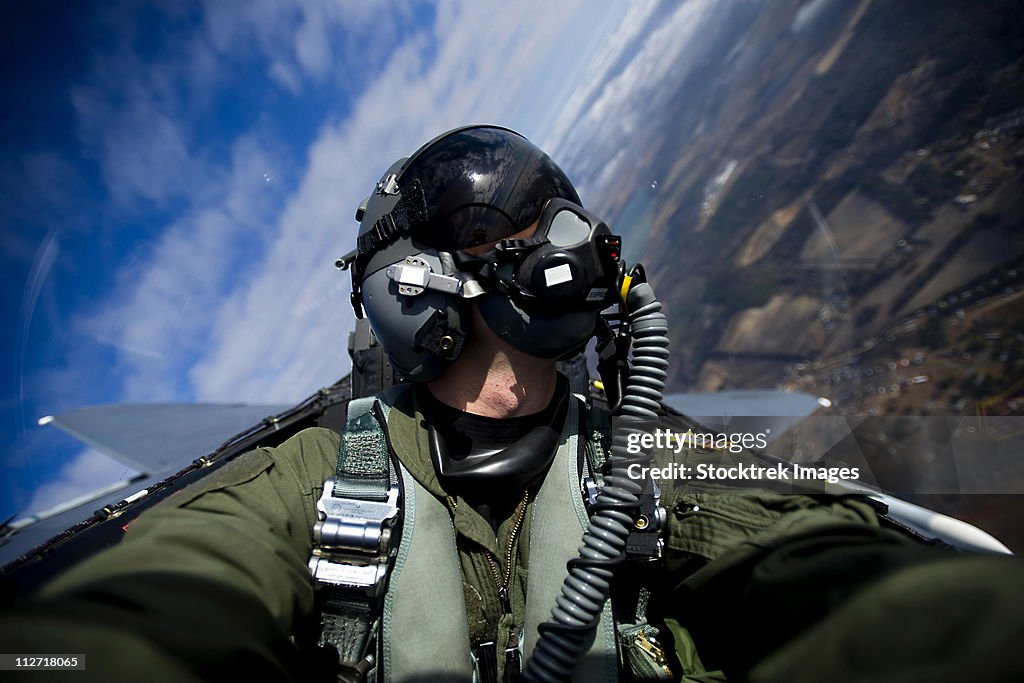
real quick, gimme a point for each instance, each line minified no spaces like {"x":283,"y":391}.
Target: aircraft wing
{"x":159,"y":438}
{"x":746,"y":411}
{"x":156,"y":440}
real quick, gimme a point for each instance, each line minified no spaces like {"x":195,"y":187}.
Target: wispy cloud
{"x":311,"y":42}
{"x":129,"y":120}
{"x":159,"y":316}
{"x":809,"y":12}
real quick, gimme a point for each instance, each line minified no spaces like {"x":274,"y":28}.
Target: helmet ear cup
{"x":406,"y":326}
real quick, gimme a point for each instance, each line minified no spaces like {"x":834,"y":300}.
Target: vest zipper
{"x":503,"y":583}
{"x":654,"y":651}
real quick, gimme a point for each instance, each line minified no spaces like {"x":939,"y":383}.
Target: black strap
{"x":599,"y":441}
{"x":409,"y":213}
{"x":347,"y":624}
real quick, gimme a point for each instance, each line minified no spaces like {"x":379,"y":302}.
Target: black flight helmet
{"x":468,"y":187}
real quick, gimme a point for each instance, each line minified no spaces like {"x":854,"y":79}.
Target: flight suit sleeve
{"x":807,"y":585}
{"x":211,"y":581}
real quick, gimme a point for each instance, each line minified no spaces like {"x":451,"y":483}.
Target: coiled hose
{"x":587,"y":585}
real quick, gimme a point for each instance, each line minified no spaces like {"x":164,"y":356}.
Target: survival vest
{"x":394,"y":610}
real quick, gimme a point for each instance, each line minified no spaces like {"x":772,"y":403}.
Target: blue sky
{"x":178,"y":179}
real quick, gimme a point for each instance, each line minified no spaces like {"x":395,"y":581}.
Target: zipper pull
{"x":658,"y":664}
{"x":650,"y":648}
{"x":503,"y":596}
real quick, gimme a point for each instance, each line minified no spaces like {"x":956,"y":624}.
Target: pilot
{"x":429,"y":540}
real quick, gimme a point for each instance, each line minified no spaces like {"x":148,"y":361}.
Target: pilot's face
{"x":481,"y":248}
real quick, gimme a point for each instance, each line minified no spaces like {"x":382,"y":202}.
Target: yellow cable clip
{"x":626,"y":282}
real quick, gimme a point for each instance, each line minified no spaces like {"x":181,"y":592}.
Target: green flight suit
{"x":778,"y":587}
{"x":213,"y":583}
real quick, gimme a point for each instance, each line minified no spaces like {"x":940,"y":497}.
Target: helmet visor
{"x":481,"y":185}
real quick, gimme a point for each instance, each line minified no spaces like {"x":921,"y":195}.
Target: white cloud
{"x":131,"y":118}
{"x":308,"y":41}
{"x":160,"y":314}
{"x":809,"y":13}
{"x":595,"y":78}
{"x":142,"y":149}
{"x":89,"y":471}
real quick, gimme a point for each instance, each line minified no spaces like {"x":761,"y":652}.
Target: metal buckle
{"x":388,"y":186}
{"x":591,"y":489}
{"x":352,"y":540}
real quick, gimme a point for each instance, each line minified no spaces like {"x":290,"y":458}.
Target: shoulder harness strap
{"x":363,"y":469}
{"x":353,"y":547}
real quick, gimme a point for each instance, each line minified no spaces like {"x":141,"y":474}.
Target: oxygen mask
{"x":544,"y":292}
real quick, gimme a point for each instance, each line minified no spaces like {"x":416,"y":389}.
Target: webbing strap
{"x":346,"y":624}
{"x":599,"y":443}
{"x":350,"y":615}
{"x":363,"y":462}
{"x":408,"y":214}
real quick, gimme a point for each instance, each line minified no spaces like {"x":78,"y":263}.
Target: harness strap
{"x":599,"y":443}
{"x":640,"y":648}
{"x":352,"y":541}
{"x":596,"y":424}
{"x":347,"y":625}
{"x":363,"y":470}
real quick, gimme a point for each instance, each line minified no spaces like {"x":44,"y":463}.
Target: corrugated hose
{"x":587,"y":585}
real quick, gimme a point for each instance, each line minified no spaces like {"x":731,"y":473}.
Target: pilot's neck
{"x":493,"y":379}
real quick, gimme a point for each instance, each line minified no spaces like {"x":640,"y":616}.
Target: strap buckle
{"x":591,"y":488}
{"x":352,"y":540}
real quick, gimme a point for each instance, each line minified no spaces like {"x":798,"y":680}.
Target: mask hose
{"x":587,"y":585}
